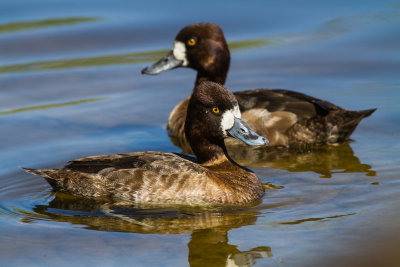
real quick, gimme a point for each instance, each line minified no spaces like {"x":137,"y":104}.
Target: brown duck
{"x":284,"y":117}
{"x":155,"y":177}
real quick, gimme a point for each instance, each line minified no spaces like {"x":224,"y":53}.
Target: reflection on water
{"x":322,"y":159}
{"x":209,"y":243}
{"x":81,"y":101}
{"x":116,"y":59}
{"x":325,"y":160}
{"x":130,"y":58}
{"x":317,"y":219}
{"x":125,"y":217}
{"x":210,"y":247}
{"x":37,"y":24}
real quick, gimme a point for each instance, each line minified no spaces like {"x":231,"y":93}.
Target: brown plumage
{"x":284,"y":117}
{"x":156,"y":177}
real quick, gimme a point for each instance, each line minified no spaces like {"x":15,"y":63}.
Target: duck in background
{"x":286,"y":118}
{"x":167,"y":178}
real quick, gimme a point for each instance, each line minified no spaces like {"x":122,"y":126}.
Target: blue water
{"x":70,"y":86}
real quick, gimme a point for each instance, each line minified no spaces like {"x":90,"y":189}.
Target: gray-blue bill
{"x":242,"y":132}
{"x":167,"y":62}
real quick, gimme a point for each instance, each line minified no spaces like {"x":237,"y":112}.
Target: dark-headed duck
{"x":155,"y":177}
{"x":284,"y":117}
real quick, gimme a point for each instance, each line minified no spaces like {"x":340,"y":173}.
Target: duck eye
{"x":191,"y":42}
{"x":215,"y":110}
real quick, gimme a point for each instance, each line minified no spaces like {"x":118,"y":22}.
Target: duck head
{"x":200,"y":46}
{"x":213,"y":115}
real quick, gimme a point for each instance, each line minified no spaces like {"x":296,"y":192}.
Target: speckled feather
{"x":154,"y":177}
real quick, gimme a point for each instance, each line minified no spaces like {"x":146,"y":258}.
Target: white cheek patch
{"x":236,"y":112}
{"x":179,"y":52}
{"x":228,"y":118}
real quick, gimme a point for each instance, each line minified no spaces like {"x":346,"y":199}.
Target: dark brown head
{"x":200,"y":46}
{"x":213,"y":114}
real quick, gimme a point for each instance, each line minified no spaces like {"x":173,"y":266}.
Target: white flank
{"x":179,"y":52}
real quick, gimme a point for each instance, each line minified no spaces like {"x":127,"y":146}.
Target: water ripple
{"x":37,"y":24}
{"x":69,"y":103}
{"x":117,"y":59}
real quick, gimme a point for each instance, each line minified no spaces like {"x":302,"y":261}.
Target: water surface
{"x":70,"y":86}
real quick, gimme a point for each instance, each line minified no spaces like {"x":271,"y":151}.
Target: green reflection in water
{"x":239,"y":45}
{"x":51,"y":105}
{"x":36,"y":24}
{"x":129,"y":58}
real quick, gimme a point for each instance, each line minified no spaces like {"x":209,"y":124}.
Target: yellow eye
{"x":191,"y":42}
{"x":215,"y":110}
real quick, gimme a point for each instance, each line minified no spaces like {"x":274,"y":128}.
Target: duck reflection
{"x":217,"y":252}
{"x":209,"y":227}
{"x":322,"y":159}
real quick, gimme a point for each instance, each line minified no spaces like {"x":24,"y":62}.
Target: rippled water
{"x":70,"y":86}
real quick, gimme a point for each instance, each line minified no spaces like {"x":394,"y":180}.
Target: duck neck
{"x":218,"y":77}
{"x":208,"y":153}
{"x":205,"y":145}
{"x":216,"y":69}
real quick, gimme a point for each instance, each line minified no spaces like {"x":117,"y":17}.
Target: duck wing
{"x":304,"y":106}
{"x":287,"y":117}
{"x":148,"y":160}
{"x":123,"y":176}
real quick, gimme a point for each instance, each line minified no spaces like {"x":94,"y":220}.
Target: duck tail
{"x":351,"y":120}
{"x":354,"y":117}
{"x":46,"y":174}
{"x":41,"y":172}
{"x":365,"y":113}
